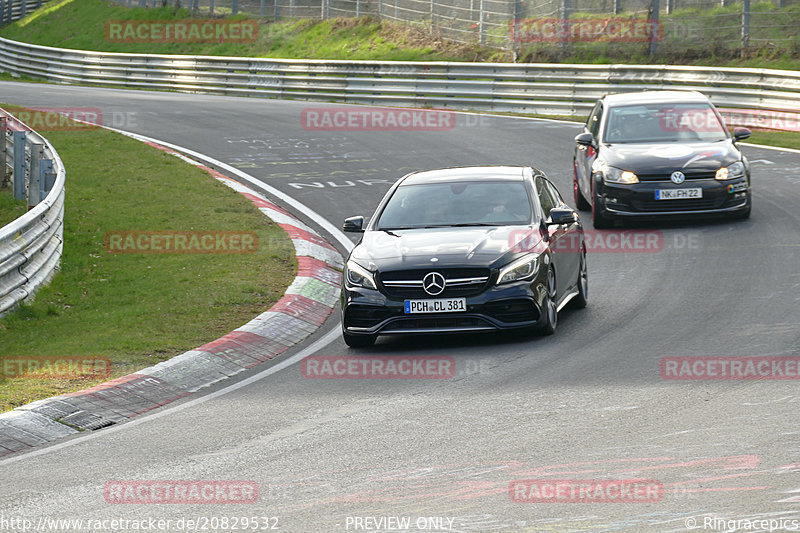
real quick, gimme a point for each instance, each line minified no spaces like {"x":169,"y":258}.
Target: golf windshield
{"x":691,"y":122}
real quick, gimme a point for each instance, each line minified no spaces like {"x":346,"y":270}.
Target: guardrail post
{"x":277,"y":13}
{"x":263,"y":8}
{"x":35,"y":181}
{"x":515,"y":34}
{"x":235,"y":7}
{"x":47,"y":178}
{"x":482,"y":24}
{"x":745,"y":26}
{"x":211,"y":7}
{"x":358,"y":8}
{"x":656,"y":7}
{"x":565,"y":9}
{"x":4,"y":161}
{"x":18,"y":175}
{"x":24,"y":8}
{"x":617,"y":7}
{"x":433,"y":14}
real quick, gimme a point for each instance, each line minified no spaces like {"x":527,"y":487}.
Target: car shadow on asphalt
{"x":678,"y":224}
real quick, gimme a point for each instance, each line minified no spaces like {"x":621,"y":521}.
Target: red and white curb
{"x":308,"y":301}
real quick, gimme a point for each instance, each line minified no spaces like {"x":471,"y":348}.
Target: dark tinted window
{"x":545,"y":199}
{"x":557,"y":199}
{"x":593,"y":124}
{"x":457,"y":203}
{"x":663,"y":123}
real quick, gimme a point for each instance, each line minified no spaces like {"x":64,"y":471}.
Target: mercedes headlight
{"x":358,"y":276}
{"x":525,"y":267}
{"x":730,"y":172}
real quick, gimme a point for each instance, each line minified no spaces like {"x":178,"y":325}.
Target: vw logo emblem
{"x":677,"y":177}
{"x":433,"y":283}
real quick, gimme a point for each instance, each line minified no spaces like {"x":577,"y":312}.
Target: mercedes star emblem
{"x":433,"y":283}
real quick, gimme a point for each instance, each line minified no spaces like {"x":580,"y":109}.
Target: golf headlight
{"x":616,"y":175}
{"x":613,"y":174}
{"x":730,"y":172}
{"x":523,"y":268}
{"x":358,"y":276}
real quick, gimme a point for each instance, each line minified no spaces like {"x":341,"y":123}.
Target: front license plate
{"x":442,"y":305}
{"x":678,"y":194}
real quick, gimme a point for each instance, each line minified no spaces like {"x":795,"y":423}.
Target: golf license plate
{"x":678,"y":194}
{"x":441,"y":305}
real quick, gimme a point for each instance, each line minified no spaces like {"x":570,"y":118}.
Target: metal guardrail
{"x":30,"y":246}
{"x":553,"y":89}
{"x":11,"y":10}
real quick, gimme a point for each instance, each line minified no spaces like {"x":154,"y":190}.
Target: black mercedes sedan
{"x":464,"y":250}
{"x":656,"y":154}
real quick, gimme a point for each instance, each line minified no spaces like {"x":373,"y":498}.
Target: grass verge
{"x":80,"y":24}
{"x":10,"y":208}
{"x":139,"y":309}
{"x":783,"y":139}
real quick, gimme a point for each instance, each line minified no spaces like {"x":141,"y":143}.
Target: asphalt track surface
{"x":587,"y":403}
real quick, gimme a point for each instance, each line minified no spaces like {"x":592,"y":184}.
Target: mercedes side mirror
{"x":740,"y":134}
{"x":585,"y":139}
{"x":562,"y":215}
{"x":354,"y":224}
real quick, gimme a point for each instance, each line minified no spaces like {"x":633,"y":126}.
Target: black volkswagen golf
{"x":462,"y":250}
{"x":659,"y":153}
